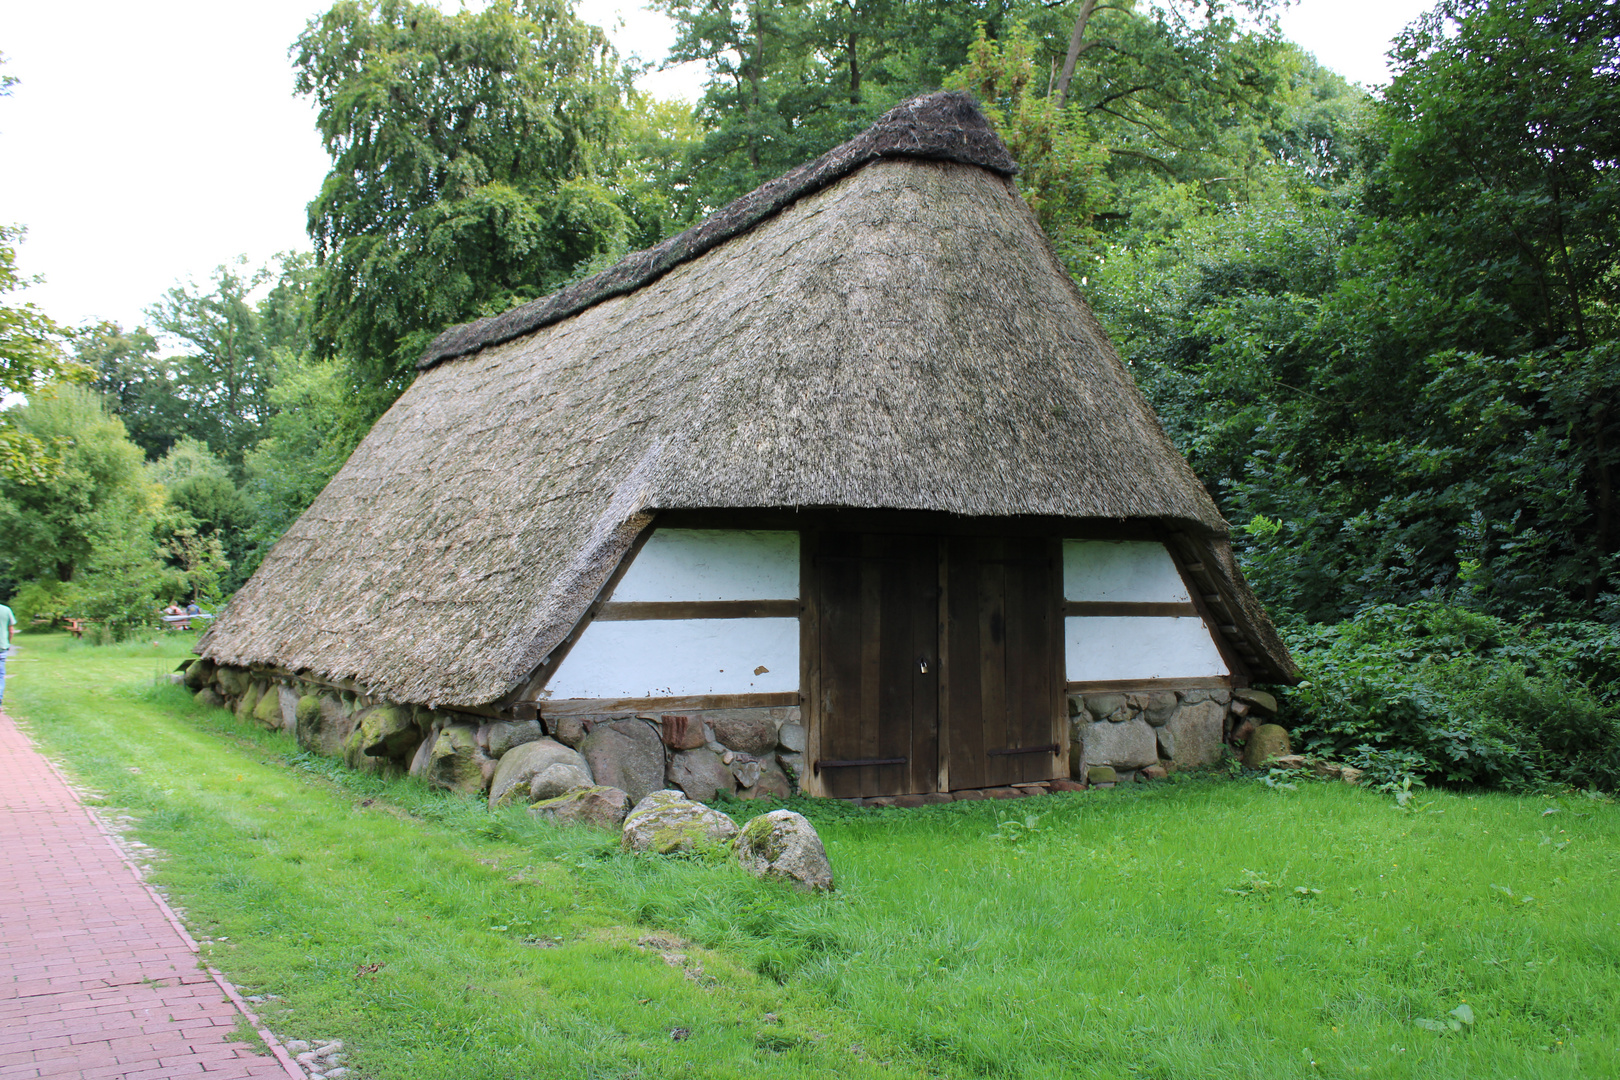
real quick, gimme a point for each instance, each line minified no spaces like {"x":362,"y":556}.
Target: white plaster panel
{"x":1122,"y":571}
{"x":713,"y":564}
{"x":1098,"y":648}
{"x":680,"y":657}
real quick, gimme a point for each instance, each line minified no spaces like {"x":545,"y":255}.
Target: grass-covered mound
{"x":1429,"y":693}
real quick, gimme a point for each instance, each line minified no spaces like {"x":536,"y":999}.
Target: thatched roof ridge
{"x":902,"y":338}
{"x":941,"y":127}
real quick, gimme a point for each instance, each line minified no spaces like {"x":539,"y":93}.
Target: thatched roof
{"x":886,"y":327}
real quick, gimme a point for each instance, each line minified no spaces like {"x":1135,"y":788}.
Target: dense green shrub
{"x":1442,"y":694}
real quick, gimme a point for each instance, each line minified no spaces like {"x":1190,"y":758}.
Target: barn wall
{"x":1121,"y":646}
{"x":659,"y":658}
{"x":686,"y":657}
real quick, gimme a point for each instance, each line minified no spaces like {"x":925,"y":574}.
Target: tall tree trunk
{"x":854,"y":70}
{"x":1077,"y":45}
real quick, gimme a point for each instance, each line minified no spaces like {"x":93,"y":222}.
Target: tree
{"x":49,"y":528}
{"x":462,"y":175}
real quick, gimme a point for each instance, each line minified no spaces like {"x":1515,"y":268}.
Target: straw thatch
{"x":884,"y":328}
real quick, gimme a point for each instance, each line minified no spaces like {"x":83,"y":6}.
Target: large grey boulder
{"x":560,"y":767}
{"x":288,"y":699}
{"x":232,"y":682}
{"x":666,"y":822}
{"x":1158,"y":707}
{"x":626,"y":754}
{"x":1263,"y":702}
{"x":1193,"y":737}
{"x":1102,"y":706}
{"x":701,"y":774}
{"x":598,"y":807}
{"x":503,"y":735}
{"x":747,"y":731}
{"x":784,"y":846}
{"x":1125,"y":744}
{"x":791,"y":737}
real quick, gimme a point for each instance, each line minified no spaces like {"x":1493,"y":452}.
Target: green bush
{"x":1440,"y":694}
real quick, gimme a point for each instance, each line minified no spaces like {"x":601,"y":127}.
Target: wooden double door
{"x":935,"y":662}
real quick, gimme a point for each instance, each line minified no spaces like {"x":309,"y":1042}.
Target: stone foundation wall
{"x":748,"y":753}
{"x":1116,"y":737}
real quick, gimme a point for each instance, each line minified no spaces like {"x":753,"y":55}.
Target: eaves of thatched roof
{"x":884,"y":328}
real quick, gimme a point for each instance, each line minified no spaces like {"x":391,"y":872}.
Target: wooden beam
{"x":1097,"y":608}
{"x":689,"y":703}
{"x":1117,"y":686}
{"x":624,"y":611}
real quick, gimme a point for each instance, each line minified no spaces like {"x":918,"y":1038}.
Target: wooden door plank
{"x":965,"y":706}
{"x":922,"y":663}
{"x":841,"y":669}
{"x":990,"y":571}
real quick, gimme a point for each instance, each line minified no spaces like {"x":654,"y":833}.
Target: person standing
{"x":8,"y":630}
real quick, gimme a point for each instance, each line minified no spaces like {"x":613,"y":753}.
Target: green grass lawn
{"x":1204,"y":928}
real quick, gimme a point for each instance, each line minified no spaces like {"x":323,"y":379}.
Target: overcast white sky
{"x":147,"y":143}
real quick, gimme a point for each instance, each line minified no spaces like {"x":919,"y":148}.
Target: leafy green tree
{"x":462,"y":177}
{"x":186,"y":459}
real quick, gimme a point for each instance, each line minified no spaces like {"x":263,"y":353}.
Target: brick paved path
{"x":97,"y":977}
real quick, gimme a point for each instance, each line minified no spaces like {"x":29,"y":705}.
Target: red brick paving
{"x":98,"y":979}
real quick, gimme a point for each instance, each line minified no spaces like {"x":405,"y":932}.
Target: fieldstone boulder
{"x":1158,"y":707}
{"x":519,"y":772}
{"x":626,"y":754}
{"x":666,"y":822}
{"x":598,"y":807}
{"x":746,"y":770}
{"x":268,"y":710}
{"x":568,"y":729}
{"x":249,"y":700}
{"x":747,"y":731}
{"x":1263,"y":702}
{"x":1102,"y":706}
{"x":456,"y":761}
{"x":208,"y":698}
{"x":287,"y":697}
{"x":1103,"y":774}
{"x":199,"y":673}
{"x":784,"y":846}
{"x":682,"y":731}
{"x":325,"y":728}
{"x":1128,"y":744}
{"x":1268,"y":741}
{"x":381,"y":734}
{"x":503,"y":735}
{"x":232,"y":682}
{"x":791,"y":737}
{"x":701,"y":774}
{"x":772,"y":783}
{"x":1193,"y":736}
{"x":792,"y":765}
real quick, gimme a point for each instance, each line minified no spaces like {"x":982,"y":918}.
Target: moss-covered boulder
{"x":456,"y":761}
{"x":249,"y":700}
{"x":231,"y":682}
{"x":1268,"y":741}
{"x":667,"y":822}
{"x":325,"y":727}
{"x":208,"y":698}
{"x":200,"y":674}
{"x":268,"y":709}
{"x":784,"y":846}
{"x":386,"y":731}
{"x":596,"y":806}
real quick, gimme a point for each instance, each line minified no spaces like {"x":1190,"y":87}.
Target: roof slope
{"x":902,"y":337}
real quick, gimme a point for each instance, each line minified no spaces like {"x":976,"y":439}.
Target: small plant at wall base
{"x":1430,"y":693}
